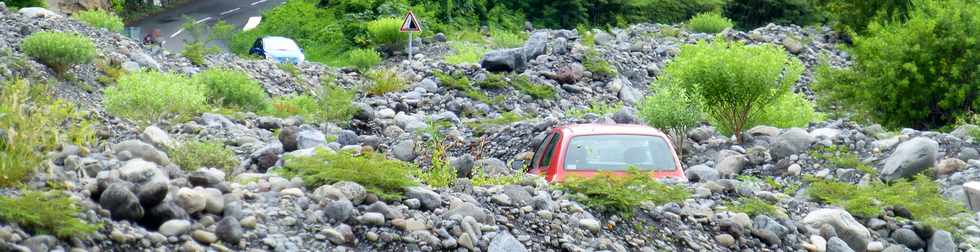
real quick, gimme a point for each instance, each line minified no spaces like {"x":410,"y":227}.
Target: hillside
{"x":433,"y":153}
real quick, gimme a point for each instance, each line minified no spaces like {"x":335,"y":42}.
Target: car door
{"x":544,"y":156}
{"x":257,"y":48}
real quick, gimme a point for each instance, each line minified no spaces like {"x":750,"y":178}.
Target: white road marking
{"x":176,"y":33}
{"x":202,"y":20}
{"x":230,"y":11}
{"x":258,"y":2}
{"x":163,"y":43}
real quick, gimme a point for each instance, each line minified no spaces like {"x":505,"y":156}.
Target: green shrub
{"x":54,"y":213}
{"x":26,"y":3}
{"x":506,"y":39}
{"x":150,"y":96}
{"x":587,"y":37}
{"x":232,"y":88}
{"x":920,"y":196}
{"x":847,"y":15}
{"x":57,"y":50}
{"x":439,"y":173}
{"x":671,"y":109}
{"x":193,"y":155}
{"x":195,"y":52}
{"x":612,"y":193}
{"x":733,"y":81}
{"x":465,"y":53}
{"x":710,"y":22}
{"x":35,"y":124}
{"x":382,"y":177}
{"x":921,"y":73}
{"x":750,"y":14}
{"x":332,"y":104}
{"x":387,"y":32}
{"x":596,"y":64}
{"x":599,"y":108}
{"x":196,"y":48}
{"x":752,"y":206}
{"x":384,"y":81}
{"x":788,"y":111}
{"x":364,"y":59}
{"x":454,"y":81}
{"x":838,"y":156}
{"x":494,"y":81}
{"x":538,"y":91}
{"x":101,"y":19}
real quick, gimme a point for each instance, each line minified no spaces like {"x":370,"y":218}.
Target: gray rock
{"x":371,"y":218}
{"x":791,"y":141}
{"x":289,"y":137}
{"x":835,"y":244}
{"x":204,"y":236}
{"x":213,"y":200}
{"x":592,"y":225}
{"x":339,"y":210}
{"x":966,"y":154}
{"x":965,"y":131}
{"x":849,"y":230}
{"x":190,"y":200}
{"x":603,"y":38}
{"x":536,"y":45}
{"x":701,"y":173}
{"x":121,"y":202}
{"x":267,"y":156}
{"x":896,"y":248}
{"x":430,"y":200}
{"x":492,"y":167}
{"x":469,"y":209}
{"x":229,"y":230}
{"x":504,"y":60}
{"x":908,"y":238}
{"x":505,"y":242}
{"x":463,"y":165}
{"x":156,"y":136}
{"x":518,"y":194}
{"x":404,"y":150}
{"x":40,"y":242}
{"x":161,"y":213}
{"x":174,"y":227}
{"x":941,"y":241}
{"x":439,"y":37}
{"x":352,"y":191}
{"x":131,"y":67}
{"x":767,"y":223}
{"x":348,"y":137}
{"x":383,"y":208}
{"x":141,"y":150}
{"x":138,"y":171}
{"x":152,"y":193}
{"x":767,"y":236}
{"x":37,"y":12}
{"x":731,"y":165}
{"x":792,"y":45}
{"x":310,"y":138}
{"x":910,"y":158}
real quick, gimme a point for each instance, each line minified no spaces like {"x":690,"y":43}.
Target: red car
{"x":586,"y":149}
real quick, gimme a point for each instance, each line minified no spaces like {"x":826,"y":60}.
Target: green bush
{"x":920,"y":196}
{"x":193,"y":155}
{"x":150,"y":96}
{"x":538,"y":91}
{"x":465,"y":53}
{"x":35,"y":124}
{"x":383,"y":177}
{"x":750,"y":14}
{"x":847,"y":15}
{"x":54,"y":213}
{"x":596,"y":64}
{"x":710,"y":22}
{"x":364,"y":59}
{"x":195,"y":52}
{"x":58,"y":50}
{"x":752,"y":206}
{"x":921,"y":73}
{"x":232,"y":88}
{"x":26,"y":3}
{"x":101,"y":19}
{"x":439,"y":173}
{"x":671,"y":109}
{"x":332,"y":104}
{"x":454,"y":81}
{"x":612,"y":193}
{"x":494,"y":81}
{"x":384,"y":81}
{"x":788,"y":111}
{"x":733,"y":81}
{"x":387,"y":32}
{"x":587,"y":38}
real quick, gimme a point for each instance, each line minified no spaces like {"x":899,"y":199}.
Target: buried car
{"x":587,"y":149}
{"x":279,"y":49}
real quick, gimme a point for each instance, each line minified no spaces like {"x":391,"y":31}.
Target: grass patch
{"x":146,"y":97}
{"x":596,"y":64}
{"x":465,"y":53}
{"x":101,"y":19}
{"x":440,"y":172}
{"x":384,"y":81}
{"x":587,"y":38}
{"x":621,"y":194}
{"x":839,"y":156}
{"x":194,"y":155}
{"x":599,"y":108}
{"x":364,"y":59}
{"x":710,"y":22}
{"x":920,"y":196}
{"x":380,"y":176}
{"x":507,"y":39}
{"x":58,"y":50}
{"x":462,"y":83}
{"x":752,"y":206}
{"x":52,"y":213}
{"x":386,"y":32}
{"x":481,"y":125}
{"x":232,"y":88}
{"x":481,"y":179}
{"x":494,"y":81}
{"x":538,"y":91}
{"x":331,"y":104}
{"x":32,"y":124}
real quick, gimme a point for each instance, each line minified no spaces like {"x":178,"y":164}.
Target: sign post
{"x":410,"y":25}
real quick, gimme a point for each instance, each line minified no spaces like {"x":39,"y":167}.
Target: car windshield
{"x":280,"y":44}
{"x":618,"y":153}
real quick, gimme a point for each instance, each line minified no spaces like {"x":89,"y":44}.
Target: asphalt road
{"x":235,"y":12}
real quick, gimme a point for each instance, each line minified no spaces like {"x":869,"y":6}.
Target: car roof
{"x":600,"y":129}
{"x":279,"y":42}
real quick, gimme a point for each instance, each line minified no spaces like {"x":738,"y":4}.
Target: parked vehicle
{"x":587,"y":149}
{"x":279,"y":49}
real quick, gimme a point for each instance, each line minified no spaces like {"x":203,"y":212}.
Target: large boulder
{"x":429,"y":199}
{"x":139,"y":171}
{"x":505,"y":242}
{"x":791,"y":141}
{"x":965,"y":131}
{"x":141,"y":150}
{"x":701,"y":173}
{"x":536,"y":45}
{"x":910,"y":158}
{"x":121,"y":202}
{"x":34,"y":12}
{"x":504,"y":60}
{"x":941,"y":241}
{"x":731,"y":165}
{"x":849,"y":230}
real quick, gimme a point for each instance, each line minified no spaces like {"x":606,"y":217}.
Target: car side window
{"x":550,"y":150}
{"x":536,"y":160}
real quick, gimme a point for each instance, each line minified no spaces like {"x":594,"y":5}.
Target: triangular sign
{"x":411,"y":24}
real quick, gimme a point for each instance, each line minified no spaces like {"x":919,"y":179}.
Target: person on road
{"x":152,"y":40}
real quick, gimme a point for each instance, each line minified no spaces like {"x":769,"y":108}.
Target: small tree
{"x":734,"y":81}
{"x":671,"y":109}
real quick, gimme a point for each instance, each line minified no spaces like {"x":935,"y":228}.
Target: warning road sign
{"x":411,"y":24}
